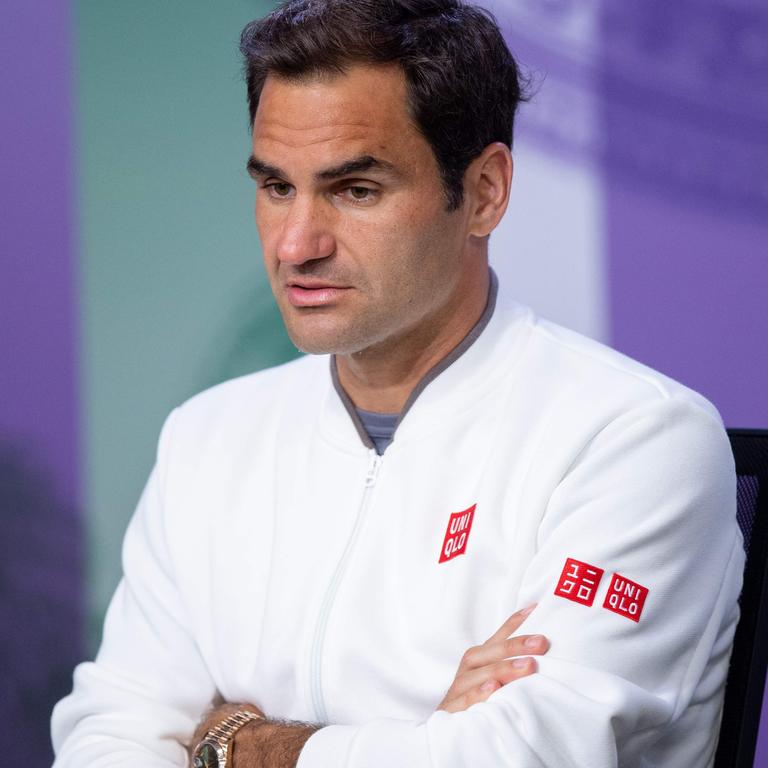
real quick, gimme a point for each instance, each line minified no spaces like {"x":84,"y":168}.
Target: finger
{"x":488,"y":653}
{"x":457,"y":702}
{"x":502,"y":672}
{"x":511,"y":625}
{"x":465,"y":700}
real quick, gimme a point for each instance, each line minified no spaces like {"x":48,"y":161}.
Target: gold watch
{"x":213,"y":750}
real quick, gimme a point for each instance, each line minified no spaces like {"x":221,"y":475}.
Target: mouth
{"x":313,"y":293}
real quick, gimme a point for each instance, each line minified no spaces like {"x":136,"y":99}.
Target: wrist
{"x":247,"y":744}
{"x":272,"y":744}
{"x":215,"y":739}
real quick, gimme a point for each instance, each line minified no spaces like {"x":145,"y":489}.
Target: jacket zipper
{"x":316,"y":681}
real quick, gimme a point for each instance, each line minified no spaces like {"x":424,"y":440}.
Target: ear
{"x":487,"y":184}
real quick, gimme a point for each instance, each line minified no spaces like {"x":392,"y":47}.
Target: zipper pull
{"x":373,"y":471}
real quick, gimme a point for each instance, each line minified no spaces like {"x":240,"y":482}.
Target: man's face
{"x":350,"y":208}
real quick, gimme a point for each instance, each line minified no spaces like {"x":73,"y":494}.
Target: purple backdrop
{"x":685,"y":100}
{"x":40,"y":589}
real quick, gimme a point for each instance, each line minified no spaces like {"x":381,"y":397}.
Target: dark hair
{"x":463,"y":83}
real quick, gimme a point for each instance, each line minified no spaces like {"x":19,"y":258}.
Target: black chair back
{"x":746,"y":676}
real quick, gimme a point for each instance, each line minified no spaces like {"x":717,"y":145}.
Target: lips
{"x":312,"y":293}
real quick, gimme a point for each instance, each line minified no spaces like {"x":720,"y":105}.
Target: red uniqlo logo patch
{"x":625,"y":597}
{"x":457,"y":534}
{"x":579,"y":581}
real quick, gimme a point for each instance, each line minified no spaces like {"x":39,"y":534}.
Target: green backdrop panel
{"x":174,"y":296}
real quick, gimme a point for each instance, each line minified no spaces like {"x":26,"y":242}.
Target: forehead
{"x":324,"y":118}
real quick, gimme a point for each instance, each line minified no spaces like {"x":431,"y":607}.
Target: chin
{"x":330,"y":331}
{"x":316,"y":342}
{"x":327,"y":341}
{"x":325,"y":346}
{"x":314,"y":347}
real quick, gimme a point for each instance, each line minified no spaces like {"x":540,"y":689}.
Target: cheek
{"x":402,"y":246}
{"x":391,"y":228}
{"x":367,"y":241}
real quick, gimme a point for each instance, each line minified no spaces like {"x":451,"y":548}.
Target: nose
{"x":305,"y":235}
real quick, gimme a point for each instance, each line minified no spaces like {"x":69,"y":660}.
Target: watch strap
{"x":230,"y":725}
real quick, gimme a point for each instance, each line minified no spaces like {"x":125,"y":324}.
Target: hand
{"x":485,"y":668}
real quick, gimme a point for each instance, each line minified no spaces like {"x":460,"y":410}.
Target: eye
{"x":278,"y":189}
{"x":359,"y":194}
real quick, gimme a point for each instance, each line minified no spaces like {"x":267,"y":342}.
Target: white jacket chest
{"x":349,"y":578}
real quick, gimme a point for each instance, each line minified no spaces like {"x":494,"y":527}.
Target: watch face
{"x":206,"y":756}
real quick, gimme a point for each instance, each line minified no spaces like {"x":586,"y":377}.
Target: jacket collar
{"x":462,"y":377}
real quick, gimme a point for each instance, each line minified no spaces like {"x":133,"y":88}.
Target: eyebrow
{"x":259,"y":169}
{"x":356,"y":165}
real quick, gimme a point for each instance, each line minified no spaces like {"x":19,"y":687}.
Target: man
{"x":319,"y":544}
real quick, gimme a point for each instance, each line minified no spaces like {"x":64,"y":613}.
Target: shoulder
{"x":629,"y":448}
{"x":592,"y":408}
{"x":254,"y":388}
{"x":595,"y":374}
{"x":247,"y":403}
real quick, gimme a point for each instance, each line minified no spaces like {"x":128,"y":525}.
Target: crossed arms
{"x":625,"y":683}
{"x":501,"y":659}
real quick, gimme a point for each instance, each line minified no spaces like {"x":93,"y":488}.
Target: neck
{"x":382,"y":378}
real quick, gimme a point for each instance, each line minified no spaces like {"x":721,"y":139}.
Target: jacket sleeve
{"x":651,"y":497}
{"x":141,"y":699}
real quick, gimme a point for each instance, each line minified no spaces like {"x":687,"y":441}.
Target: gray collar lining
{"x":350,"y":406}
{"x":430,"y":375}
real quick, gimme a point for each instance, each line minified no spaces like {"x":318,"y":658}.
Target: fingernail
{"x":533,"y":640}
{"x":519,"y":663}
{"x":489,"y":686}
{"x":528,"y":610}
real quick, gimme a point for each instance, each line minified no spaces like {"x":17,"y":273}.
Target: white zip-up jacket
{"x":274,"y":558}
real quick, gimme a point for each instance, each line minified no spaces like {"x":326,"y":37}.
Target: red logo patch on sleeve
{"x":579,"y":581}
{"x":457,"y":534}
{"x":625,"y":597}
